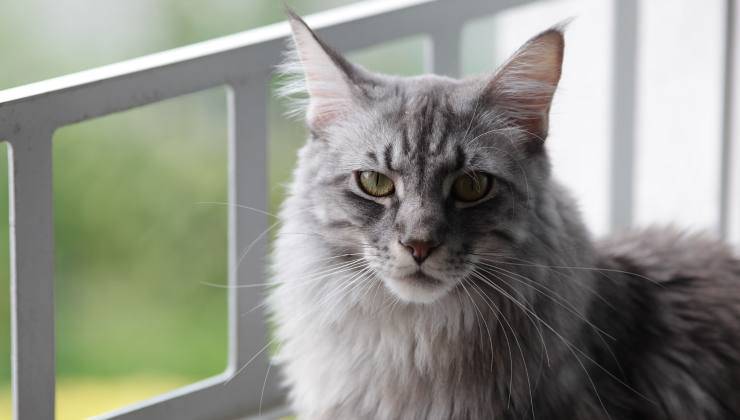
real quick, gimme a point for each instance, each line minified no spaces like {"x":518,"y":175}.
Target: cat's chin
{"x":417,"y":288}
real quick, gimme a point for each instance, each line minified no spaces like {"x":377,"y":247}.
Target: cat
{"x":428,"y":266}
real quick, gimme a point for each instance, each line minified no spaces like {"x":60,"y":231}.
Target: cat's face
{"x":422,"y":175}
{"x":422,"y":183}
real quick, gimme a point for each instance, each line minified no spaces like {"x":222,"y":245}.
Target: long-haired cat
{"x":429,"y":267}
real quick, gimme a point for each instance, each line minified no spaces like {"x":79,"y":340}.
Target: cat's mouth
{"x":417,"y":286}
{"x":421,"y":278}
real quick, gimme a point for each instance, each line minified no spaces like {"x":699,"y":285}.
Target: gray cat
{"x":429,"y":267}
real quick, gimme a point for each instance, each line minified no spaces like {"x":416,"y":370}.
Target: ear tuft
{"x":524,"y":86}
{"x":318,"y":80}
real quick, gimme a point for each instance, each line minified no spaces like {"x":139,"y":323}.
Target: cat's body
{"x":508,"y":310}
{"x":676,"y":324}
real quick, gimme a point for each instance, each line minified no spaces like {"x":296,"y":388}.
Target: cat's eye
{"x":375,"y":184}
{"x":472,"y":186}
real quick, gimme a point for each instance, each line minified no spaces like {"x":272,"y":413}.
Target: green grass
{"x":134,"y":244}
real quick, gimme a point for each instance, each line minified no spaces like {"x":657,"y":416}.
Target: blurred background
{"x":140,"y":214}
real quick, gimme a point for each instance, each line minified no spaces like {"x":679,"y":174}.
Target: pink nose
{"x":420,"y":250}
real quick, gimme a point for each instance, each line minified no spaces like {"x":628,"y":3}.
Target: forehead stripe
{"x":388,"y":156}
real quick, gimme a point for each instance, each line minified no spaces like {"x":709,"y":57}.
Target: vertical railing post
{"x":729,"y":209}
{"x":624,"y":70}
{"x":32,"y":274}
{"x":443,"y":57}
{"x":248,"y":237}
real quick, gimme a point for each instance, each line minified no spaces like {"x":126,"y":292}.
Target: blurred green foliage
{"x":135,"y":241}
{"x":135,"y":247}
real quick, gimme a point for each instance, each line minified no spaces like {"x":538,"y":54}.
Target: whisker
{"x":571,"y":346}
{"x":248,"y":362}
{"x":488,"y":301}
{"x":253,"y":243}
{"x":274,"y":283}
{"x":521,"y":353}
{"x":222,"y":203}
{"x":526,"y":313}
{"x":535,"y":286}
{"x":264,"y":385}
{"x":549,"y":268}
{"x":490,"y":339}
{"x":608,"y":270}
{"x":347,"y":267}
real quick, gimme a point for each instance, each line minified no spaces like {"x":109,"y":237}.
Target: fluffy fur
{"x":517,"y":313}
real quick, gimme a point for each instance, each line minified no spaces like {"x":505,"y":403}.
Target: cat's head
{"x":424,"y":175}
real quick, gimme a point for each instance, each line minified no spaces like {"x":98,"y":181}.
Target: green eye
{"x":472,"y":187}
{"x":375,"y":183}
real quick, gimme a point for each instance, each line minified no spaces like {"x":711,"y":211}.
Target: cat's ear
{"x":319,"y":73}
{"x":524,"y":86}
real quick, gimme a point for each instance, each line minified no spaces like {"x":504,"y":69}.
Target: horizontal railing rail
{"x":230,"y":60}
{"x":243,"y":62}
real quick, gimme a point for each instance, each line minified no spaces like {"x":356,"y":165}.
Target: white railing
{"x":243,"y":62}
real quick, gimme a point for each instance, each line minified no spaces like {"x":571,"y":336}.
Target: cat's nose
{"x":420,"y":250}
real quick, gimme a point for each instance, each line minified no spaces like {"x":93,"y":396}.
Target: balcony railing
{"x":243,"y":62}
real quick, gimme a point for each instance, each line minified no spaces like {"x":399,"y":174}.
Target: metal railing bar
{"x":209,"y":48}
{"x":212,"y":398}
{"x":248,"y":234}
{"x":137,"y":82}
{"x":276,"y":413}
{"x":624,"y":70}
{"x":32,"y":274}
{"x":729,"y":200}
{"x":191,"y":389}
